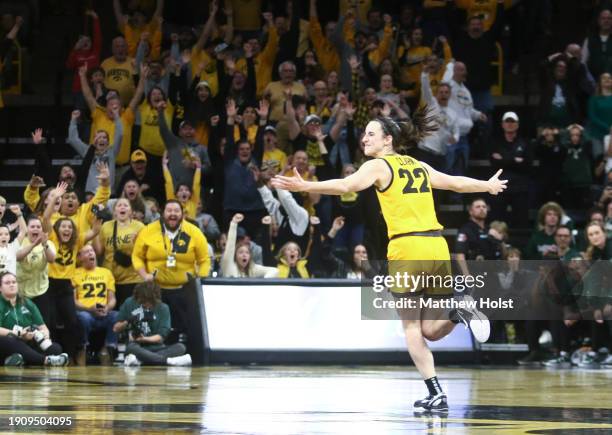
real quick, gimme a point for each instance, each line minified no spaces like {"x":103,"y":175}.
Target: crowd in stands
{"x":181,"y":129}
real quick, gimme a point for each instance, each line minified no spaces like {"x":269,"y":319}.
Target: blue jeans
{"x":91,"y":323}
{"x":457,"y":157}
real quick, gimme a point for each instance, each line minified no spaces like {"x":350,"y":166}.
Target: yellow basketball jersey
{"x":92,"y":286}
{"x":407,"y":203}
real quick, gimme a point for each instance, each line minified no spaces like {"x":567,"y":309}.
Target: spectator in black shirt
{"x":512,"y":154}
{"x":476,"y":49}
{"x":550,"y":153}
{"x":138,"y":171}
{"x":472,"y":238}
{"x":559,"y":81}
{"x":310,"y":138}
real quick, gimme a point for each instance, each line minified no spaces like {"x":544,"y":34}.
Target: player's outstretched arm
{"x":368,"y":174}
{"x":442,"y":181}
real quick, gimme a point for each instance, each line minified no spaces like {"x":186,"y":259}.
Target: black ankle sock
{"x":433,"y":386}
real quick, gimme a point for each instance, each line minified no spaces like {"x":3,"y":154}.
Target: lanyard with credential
{"x":172,"y":241}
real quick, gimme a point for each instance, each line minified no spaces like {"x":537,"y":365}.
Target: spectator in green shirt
{"x":147,"y":320}
{"x":542,"y":240}
{"x":24,"y":337}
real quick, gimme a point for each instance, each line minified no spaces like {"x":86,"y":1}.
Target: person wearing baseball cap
{"x":310,"y":138}
{"x":183,"y":151}
{"x":138,"y":172}
{"x":514,"y":155}
{"x":510,"y":117}
{"x":138,"y":156}
{"x":272,"y":154}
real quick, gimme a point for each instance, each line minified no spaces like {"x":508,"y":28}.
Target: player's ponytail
{"x":409,"y":132}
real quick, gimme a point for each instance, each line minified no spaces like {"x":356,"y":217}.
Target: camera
{"x":101,"y":213}
{"x":39,"y":338}
{"x":138,"y":324}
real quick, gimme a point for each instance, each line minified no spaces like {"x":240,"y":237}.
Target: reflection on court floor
{"x":281,"y":400}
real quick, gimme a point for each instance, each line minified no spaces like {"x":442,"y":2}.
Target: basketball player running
{"x":404,"y":191}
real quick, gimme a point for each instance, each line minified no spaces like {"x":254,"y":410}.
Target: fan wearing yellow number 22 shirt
{"x":416,"y":245}
{"x":94,"y":293}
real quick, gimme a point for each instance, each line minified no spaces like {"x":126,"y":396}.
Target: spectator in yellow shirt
{"x":115,"y":244}
{"x":70,"y":206}
{"x":273,"y":157}
{"x":150,"y":138}
{"x":94,"y":299}
{"x":487,"y":9}
{"x":171,"y":252}
{"x":103,"y":118}
{"x":275,"y":91}
{"x":188,"y":196}
{"x":133,"y":27}
{"x":325,"y":50}
{"x":119,"y":71}
{"x":412,"y":54}
{"x":68,"y":240}
{"x":263,"y":60}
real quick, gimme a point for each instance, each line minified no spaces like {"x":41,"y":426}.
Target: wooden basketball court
{"x":299,"y":400}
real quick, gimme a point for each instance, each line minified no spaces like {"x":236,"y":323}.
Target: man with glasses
{"x":563,"y":250}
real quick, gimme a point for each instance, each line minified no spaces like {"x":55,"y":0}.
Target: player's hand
{"x":292,"y":184}
{"x":495,"y":185}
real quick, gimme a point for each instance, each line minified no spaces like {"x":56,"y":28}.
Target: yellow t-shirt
{"x":65,"y":261}
{"x":412,"y":64}
{"x":247,"y":14}
{"x":277,"y":97}
{"x":102,"y":122}
{"x":132,"y":37}
{"x":92,"y":286}
{"x":126,"y":236}
{"x":190,"y":207}
{"x":363,"y":6}
{"x":276,"y":157}
{"x":486,"y":8}
{"x":407,"y":203}
{"x":119,"y":76}
{"x":251,"y":133}
{"x":263,"y":62}
{"x":150,"y":138}
{"x":209,"y":73}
